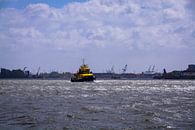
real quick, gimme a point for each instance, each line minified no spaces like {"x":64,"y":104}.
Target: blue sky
{"x":57,"y":35}
{"x":19,"y":4}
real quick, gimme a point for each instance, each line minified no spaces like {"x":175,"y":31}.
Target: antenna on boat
{"x":83,"y":61}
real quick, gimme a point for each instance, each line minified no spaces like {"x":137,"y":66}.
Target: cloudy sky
{"x":56,"y":35}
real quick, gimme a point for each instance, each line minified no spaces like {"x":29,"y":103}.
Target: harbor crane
{"x":111,"y":71}
{"x":124,"y":69}
{"x":149,"y":69}
{"x":153,"y":68}
{"x":24,"y":69}
{"x":38,"y":71}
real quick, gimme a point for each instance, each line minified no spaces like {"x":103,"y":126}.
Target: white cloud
{"x":124,"y":24}
{"x":101,"y":21}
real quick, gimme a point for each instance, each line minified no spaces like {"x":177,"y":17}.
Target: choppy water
{"x":133,"y":104}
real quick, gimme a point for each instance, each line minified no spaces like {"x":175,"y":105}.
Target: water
{"x":102,"y":105}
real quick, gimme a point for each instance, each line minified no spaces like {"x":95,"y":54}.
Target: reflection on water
{"x":110,"y":104}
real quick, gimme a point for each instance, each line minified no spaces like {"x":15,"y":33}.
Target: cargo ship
{"x":83,"y":74}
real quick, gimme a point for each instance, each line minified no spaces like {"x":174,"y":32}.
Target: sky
{"x":57,"y":35}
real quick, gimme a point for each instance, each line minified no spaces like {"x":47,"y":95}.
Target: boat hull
{"x":84,"y":79}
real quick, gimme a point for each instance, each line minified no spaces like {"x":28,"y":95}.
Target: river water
{"x":99,"y":105}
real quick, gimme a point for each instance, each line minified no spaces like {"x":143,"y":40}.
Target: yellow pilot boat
{"x":83,"y":74}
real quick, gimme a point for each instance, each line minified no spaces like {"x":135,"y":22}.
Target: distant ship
{"x":83,"y":74}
